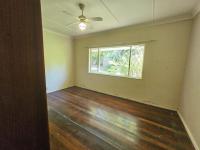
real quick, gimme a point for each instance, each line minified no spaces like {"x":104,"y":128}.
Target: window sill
{"x":97,"y":73}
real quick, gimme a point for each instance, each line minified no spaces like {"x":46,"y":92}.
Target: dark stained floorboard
{"x":81,"y":119}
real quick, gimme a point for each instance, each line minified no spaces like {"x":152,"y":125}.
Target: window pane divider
{"x":129,"y":65}
{"x":98,"y":61}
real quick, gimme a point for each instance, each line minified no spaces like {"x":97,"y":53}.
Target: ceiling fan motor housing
{"x":82,"y":18}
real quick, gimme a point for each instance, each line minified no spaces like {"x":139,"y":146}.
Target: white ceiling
{"x":116,"y":13}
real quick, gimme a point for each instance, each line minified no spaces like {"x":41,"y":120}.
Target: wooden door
{"x":23,"y":108}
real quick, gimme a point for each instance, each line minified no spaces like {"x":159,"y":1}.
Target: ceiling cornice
{"x":142,"y":25}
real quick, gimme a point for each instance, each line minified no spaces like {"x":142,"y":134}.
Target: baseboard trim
{"x":188,"y":131}
{"x":146,"y":102}
{"x":48,"y":92}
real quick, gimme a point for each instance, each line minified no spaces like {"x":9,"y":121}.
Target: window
{"x":126,"y":61}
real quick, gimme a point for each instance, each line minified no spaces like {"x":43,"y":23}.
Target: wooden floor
{"x":81,"y":119}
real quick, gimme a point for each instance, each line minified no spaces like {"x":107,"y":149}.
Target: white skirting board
{"x":188,"y":131}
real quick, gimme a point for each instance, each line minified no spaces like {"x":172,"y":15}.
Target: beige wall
{"x":59,"y":65}
{"x":190,"y":103}
{"x":163,"y":64}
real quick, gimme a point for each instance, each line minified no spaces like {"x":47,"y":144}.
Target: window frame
{"x":123,"y":76}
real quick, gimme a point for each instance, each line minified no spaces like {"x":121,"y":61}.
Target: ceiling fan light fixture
{"x":83,"y":21}
{"x":82,"y":26}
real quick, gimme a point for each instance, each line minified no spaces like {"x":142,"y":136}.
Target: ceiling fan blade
{"x":69,"y":14}
{"x":96,"y":19}
{"x":73,"y":23}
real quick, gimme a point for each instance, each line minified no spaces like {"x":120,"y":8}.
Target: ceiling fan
{"x":83,"y":20}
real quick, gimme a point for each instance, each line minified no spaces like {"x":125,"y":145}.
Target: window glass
{"x":126,"y":61}
{"x":114,"y":61}
{"x":136,"y":62}
{"x":94,"y":60}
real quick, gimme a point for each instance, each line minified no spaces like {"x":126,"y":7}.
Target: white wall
{"x":164,"y":63}
{"x":190,"y":103}
{"x":59,"y":61}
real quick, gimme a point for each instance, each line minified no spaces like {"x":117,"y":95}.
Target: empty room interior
{"x":100,"y":75}
{"x":122,"y":74}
